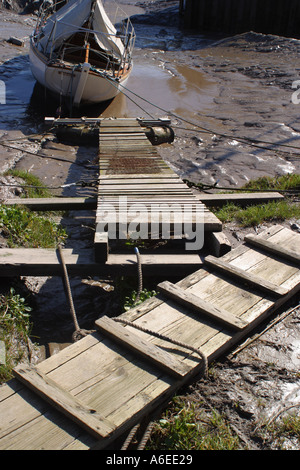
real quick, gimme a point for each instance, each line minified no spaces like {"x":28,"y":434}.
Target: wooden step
{"x":273,"y":248}
{"x":197,"y":304}
{"x":244,"y":276}
{"x":48,"y":389}
{"x":154,"y":354}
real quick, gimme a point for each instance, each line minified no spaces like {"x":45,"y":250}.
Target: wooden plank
{"x":45,"y":262}
{"x":147,"y":350}
{"x":196,"y":303}
{"x":218,"y":243}
{"x":244,"y":276}
{"x":217,"y":200}
{"x":270,"y":247}
{"x":137,"y":183}
{"x":151,"y":176}
{"x":49,"y":390}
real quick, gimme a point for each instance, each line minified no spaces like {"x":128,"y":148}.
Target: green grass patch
{"x":185,"y":427}
{"x":33,"y":187}
{"x":15,"y":328}
{"x":273,"y":211}
{"x":280,"y":183}
{"x":254,"y":215}
{"x":23,"y":228}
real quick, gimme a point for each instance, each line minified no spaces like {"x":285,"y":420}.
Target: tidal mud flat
{"x":218,"y":92}
{"x":229,"y":99}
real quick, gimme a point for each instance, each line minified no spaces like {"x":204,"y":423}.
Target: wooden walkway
{"x":89,"y":394}
{"x":139,"y":194}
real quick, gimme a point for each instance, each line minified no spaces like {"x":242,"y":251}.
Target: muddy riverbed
{"x":230,"y":103}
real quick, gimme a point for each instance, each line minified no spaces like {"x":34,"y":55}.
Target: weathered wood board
{"x":118,"y":380}
{"x":46,"y":262}
{"x":84,"y":203}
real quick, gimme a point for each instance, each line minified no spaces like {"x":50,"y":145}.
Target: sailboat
{"x":79,"y":53}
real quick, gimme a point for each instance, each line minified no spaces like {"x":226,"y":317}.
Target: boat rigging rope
{"x":168,"y":339}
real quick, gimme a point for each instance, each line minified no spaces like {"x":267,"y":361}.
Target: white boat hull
{"x":65,"y":81}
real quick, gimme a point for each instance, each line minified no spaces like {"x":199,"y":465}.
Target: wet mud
{"x":230,"y":102}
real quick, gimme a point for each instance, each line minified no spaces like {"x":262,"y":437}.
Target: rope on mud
{"x":51,"y":157}
{"x":140,"y":274}
{"x":83,"y":184}
{"x":79,"y":332}
{"x":35,"y":134}
{"x":167,"y":338}
{"x":205,"y":187}
{"x":281,"y":411}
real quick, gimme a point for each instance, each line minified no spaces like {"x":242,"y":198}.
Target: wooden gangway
{"x":131,"y":170}
{"x":137,"y":188}
{"x":91,"y":393}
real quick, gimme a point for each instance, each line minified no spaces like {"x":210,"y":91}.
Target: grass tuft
{"x":273,"y":211}
{"x":33,"y":187}
{"x":15,"y":328}
{"x":184,"y":427}
{"x":21,"y":227}
{"x":254,"y":215}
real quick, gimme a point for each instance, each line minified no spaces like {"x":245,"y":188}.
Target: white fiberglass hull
{"x":68,"y":81}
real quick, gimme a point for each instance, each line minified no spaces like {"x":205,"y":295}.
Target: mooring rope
{"x":79,"y":332}
{"x":140,"y":275}
{"x":167,"y":338}
{"x":130,"y":436}
{"x":146,"y":436}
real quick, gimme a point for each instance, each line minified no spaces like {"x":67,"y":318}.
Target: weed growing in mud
{"x":282,"y":433}
{"x":15,"y":329}
{"x":131,"y":300}
{"x":128,"y":295}
{"x":21,"y":227}
{"x":289,"y":427}
{"x":184,"y":427}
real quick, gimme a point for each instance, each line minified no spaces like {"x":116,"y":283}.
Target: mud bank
{"x":218,"y":92}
